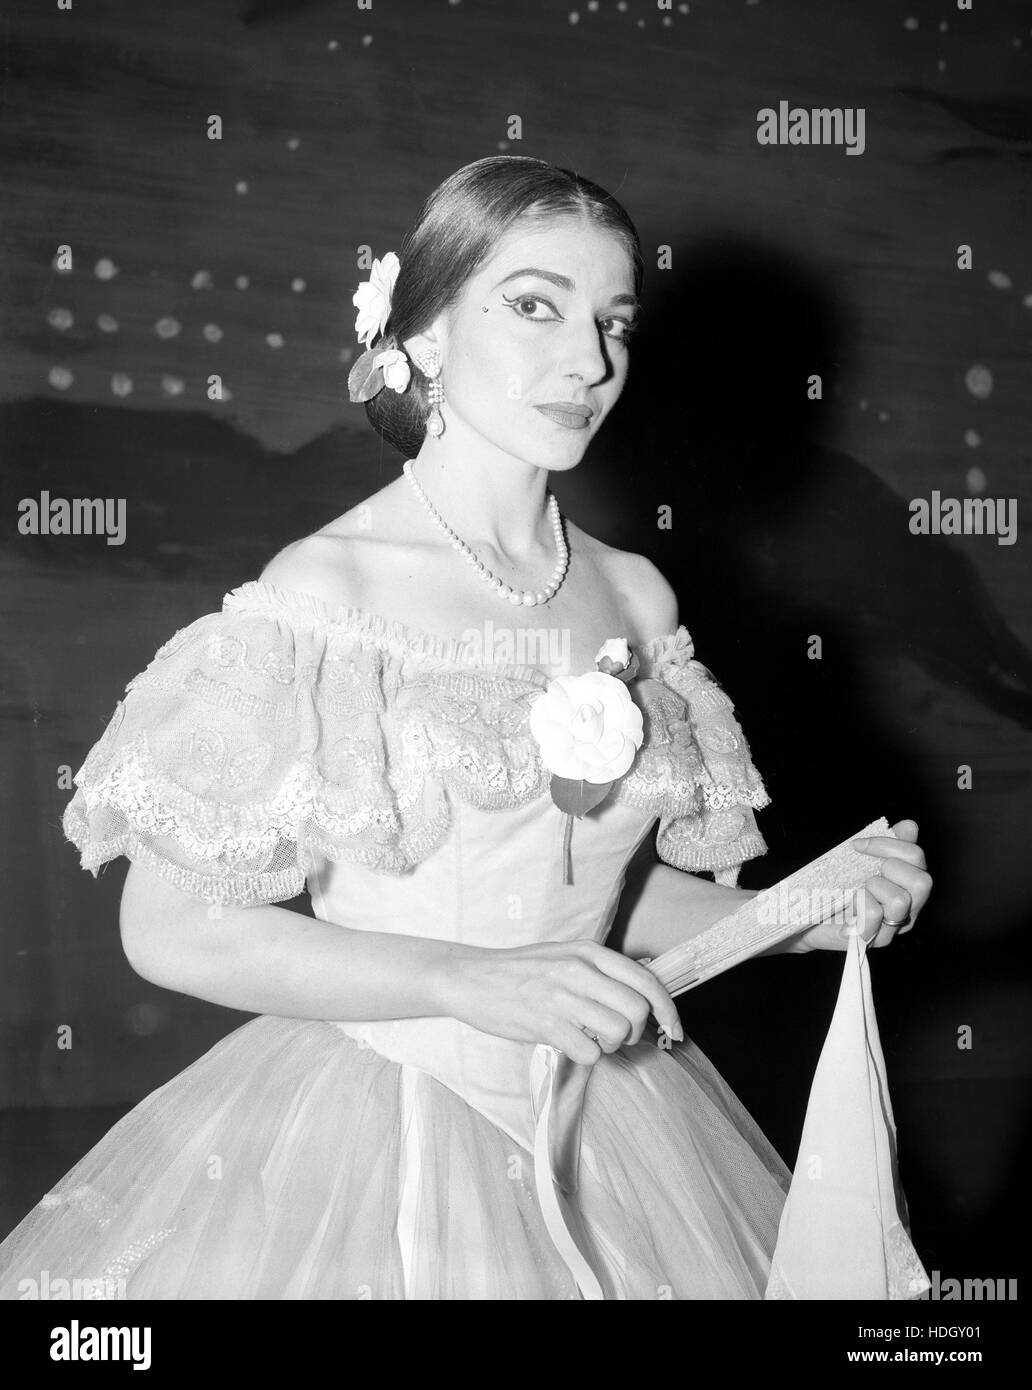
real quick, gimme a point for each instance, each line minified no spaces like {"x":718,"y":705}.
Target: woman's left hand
{"x":889,"y":902}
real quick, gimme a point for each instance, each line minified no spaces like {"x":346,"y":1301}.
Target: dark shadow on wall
{"x":777,"y":537}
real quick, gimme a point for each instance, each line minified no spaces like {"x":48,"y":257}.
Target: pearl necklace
{"x":527,"y":597}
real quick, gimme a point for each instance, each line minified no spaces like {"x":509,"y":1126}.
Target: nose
{"x":584,"y":355}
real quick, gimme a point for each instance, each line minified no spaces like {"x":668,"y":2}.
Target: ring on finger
{"x":887,"y":922}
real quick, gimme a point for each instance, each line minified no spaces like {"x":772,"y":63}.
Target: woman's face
{"x":517,"y":341}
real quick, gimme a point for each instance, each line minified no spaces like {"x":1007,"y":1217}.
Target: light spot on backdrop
{"x":979,"y":381}
{"x":142,"y":1020}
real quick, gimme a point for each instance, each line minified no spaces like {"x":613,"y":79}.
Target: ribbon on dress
{"x":557,"y":1090}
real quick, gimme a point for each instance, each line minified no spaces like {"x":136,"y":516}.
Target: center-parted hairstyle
{"x":457,"y":231}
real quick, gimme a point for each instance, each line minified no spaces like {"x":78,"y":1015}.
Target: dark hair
{"x":457,"y":230}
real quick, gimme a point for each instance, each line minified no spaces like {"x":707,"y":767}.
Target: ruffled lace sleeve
{"x":251,"y":743}
{"x":709,"y":821}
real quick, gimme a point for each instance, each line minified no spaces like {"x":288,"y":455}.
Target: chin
{"x":562,"y":463}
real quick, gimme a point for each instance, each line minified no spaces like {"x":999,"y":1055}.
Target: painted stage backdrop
{"x":825,"y":435}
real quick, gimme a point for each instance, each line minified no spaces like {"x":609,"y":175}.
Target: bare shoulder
{"x":336,"y":562}
{"x":647,"y":596}
{"x":324,"y":565}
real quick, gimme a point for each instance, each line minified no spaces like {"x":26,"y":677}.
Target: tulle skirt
{"x":271,"y":1169}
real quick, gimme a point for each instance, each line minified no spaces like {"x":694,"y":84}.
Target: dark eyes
{"x":628,"y":326}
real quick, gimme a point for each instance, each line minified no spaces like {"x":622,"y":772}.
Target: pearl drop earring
{"x":429,"y":363}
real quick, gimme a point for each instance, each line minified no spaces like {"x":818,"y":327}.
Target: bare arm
{"x":662,"y":906}
{"x":268,"y":959}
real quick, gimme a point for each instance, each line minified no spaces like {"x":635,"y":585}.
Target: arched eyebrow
{"x":564,"y":283}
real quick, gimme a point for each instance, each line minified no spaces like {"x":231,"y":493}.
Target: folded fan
{"x":811,"y":895}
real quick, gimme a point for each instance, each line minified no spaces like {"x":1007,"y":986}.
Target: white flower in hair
{"x":396,"y":371}
{"x":372,"y":299}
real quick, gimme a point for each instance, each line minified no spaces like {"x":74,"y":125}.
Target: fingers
{"x":576,"y":1044}
{"x":593,"y":993}
{"x":885,"y":847}
{"x":642,"y":981}
{"x":878,"y":904}
{"x":894,"y":900}
{"x":897,"y":892}
{"x":621,"y":1001}
{"x":915,"y":882}
{"x":901,"y":887}
{"x":610,"y":1029}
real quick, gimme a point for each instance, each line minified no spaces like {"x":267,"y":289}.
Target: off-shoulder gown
{"x":281,"y":742}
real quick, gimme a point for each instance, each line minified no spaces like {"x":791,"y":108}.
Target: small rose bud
{"x":614,"y":655}
{"x":395,"y":367}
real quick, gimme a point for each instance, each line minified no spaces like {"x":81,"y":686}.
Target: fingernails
{"x":861,"y":844}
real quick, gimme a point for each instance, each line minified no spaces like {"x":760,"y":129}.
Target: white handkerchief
{"x":843,"y":1232}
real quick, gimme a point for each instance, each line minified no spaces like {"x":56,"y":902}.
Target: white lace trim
{"x":280,"y":728}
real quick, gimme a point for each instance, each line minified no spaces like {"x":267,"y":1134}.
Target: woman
{"x":452,"y":1089}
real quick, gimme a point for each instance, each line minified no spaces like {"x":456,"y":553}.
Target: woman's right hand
{"x":556,"y":992}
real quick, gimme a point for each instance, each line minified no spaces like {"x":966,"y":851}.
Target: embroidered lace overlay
{"x":280,"y":728}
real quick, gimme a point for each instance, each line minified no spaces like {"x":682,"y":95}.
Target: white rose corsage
{"x":588,"y":730}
